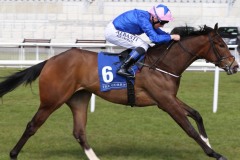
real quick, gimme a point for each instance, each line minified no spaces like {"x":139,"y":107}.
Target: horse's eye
{"x":222,"y":45}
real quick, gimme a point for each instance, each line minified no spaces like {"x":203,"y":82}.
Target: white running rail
{"x":22,"y":62}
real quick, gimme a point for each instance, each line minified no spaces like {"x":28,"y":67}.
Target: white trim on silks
{"x":206,"y":141}
{"x":90,"y":154}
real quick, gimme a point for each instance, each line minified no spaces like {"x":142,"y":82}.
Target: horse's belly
{"x":121,"y":97}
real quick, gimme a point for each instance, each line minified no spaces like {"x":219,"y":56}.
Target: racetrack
{"x":123,"y":133}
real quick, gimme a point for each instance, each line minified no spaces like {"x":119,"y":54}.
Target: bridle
{"x":218,"y":55}
{"x":220,"y":58}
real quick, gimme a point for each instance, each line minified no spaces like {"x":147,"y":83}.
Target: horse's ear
{"x":216,"y":27}
{"x":204,"y":27}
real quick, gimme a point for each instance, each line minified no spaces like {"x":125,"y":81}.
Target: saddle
{"x":108,"y":63}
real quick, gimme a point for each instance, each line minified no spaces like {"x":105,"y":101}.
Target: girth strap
{"x":130,"y":93}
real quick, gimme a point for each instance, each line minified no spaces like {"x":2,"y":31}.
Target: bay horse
{"x":72,"y":76}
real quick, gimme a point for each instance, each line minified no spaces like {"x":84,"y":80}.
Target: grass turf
{"x":119,"y":132}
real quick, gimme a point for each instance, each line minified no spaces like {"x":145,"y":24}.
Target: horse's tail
{"x":26,"y":76}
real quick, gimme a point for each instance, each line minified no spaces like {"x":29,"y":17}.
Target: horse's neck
{"x":174,"y":60}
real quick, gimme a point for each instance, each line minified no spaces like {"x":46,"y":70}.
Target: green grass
{"x":118,"y":132}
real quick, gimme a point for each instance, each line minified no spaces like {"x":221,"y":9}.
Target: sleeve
{"x":161,"y":32}
{"x":155,"y":35}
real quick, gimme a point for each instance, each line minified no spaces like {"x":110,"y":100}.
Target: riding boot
{"x":123,"y":71}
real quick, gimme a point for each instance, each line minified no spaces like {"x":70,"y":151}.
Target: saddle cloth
{"x":108,"y":64}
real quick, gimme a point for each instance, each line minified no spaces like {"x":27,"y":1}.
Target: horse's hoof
{"x":13,"y":157}
{"x":222,"y":158}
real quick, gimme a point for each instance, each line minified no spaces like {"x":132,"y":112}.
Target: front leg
{"x":195,"y":115}
{"x":177,"y":111}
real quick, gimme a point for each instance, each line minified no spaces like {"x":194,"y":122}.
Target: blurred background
{"x":68,"y":20}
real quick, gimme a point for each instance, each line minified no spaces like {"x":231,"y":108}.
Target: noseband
{"x":216,"y":52}
{"x":218,"y":55}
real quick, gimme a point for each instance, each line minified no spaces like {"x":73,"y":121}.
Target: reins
{"x":194,"y":56}
{"x":153,"y":66}
{"x":158,"y":69}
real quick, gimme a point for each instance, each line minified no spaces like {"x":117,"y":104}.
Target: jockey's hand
{"x":175,"y":37}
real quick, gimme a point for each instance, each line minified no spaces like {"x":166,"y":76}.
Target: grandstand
{"x":68,"y":20}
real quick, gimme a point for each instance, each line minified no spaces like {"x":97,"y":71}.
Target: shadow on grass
{"x":128,"y":153}
{"x":52,"y":153}
{"x":149,"y":153}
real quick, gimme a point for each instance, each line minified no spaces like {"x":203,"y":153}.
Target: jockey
{"x":124,"y":30}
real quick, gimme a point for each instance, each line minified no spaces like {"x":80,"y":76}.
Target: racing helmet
{"x":161,"y":12}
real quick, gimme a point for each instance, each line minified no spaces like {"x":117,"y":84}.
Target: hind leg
{"x":78,"y":104}
{"x":39,"y":118}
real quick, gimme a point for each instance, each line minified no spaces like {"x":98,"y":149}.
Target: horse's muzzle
{"x":232,"y":69}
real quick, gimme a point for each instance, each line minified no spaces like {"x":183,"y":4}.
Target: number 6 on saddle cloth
{"x":108,"y":64}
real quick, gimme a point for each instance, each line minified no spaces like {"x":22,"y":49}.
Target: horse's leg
{"x":178,"y":113}
{"x":39,"y":118}
{"x":78,"y":104}
{"x":199,"y":121}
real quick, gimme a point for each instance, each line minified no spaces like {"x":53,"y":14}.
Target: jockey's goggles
{"x":163,"y":22}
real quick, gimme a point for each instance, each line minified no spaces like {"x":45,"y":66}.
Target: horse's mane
{"x":203,"y":30}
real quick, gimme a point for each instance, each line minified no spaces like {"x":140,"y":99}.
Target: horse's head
{"x":218,"y":52}
{"x":205,"y":43}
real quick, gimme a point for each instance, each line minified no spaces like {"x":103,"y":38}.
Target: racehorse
{"x":72,"y":76}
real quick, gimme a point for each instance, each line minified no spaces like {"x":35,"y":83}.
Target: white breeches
{"x":124,"y":39}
